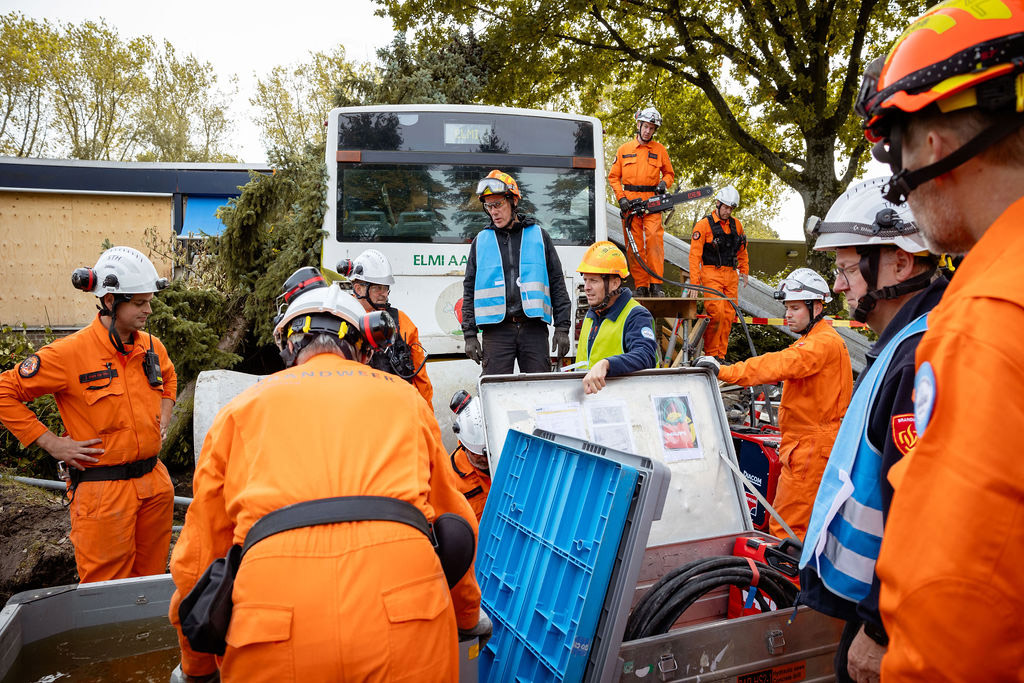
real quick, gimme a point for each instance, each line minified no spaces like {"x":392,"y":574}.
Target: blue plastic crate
{"x":548,"y":541}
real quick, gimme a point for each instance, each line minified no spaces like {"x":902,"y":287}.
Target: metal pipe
{"x":61,"y":486}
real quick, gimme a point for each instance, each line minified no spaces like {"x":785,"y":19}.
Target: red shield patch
{"x":904,"y":433}
{"x":29,"y":367}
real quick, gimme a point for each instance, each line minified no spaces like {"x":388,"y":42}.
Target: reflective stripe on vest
{"x":845,"y":531}
{"x":489,"y":285}
{"x":609,"y":338}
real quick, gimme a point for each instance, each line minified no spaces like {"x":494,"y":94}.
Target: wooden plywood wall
{"x":44,"y":237}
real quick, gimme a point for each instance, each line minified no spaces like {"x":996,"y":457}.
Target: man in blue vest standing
{"x":889,"y":280}
{"x":514,"y":288}
{"x":618,"y":333}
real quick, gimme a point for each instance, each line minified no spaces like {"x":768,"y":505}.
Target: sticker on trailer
{"x":795,"y":671}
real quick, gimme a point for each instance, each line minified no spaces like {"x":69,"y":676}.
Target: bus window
{"x":435,"y":202}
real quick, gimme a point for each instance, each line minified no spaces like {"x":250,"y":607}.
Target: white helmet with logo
{"x":648,"y":114}
{"x":728,"y":195}
{"x":862,"y":217}
{"x":372,"y":266}
{"x":119,"y":270}
{"x":803,"y":284}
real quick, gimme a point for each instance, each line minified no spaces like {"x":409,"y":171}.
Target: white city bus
{"x":401,"y":180}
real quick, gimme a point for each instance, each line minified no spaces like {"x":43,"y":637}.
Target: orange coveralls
{"x":722,"y":278}
{"x":952,"y":557}
{"x":643,"y":164}
{"x":818,"y":384}
{"x":356,"y":601}
{"x":119,"y":528}
{"x":411,"y":335}
{"x":473,"y":483}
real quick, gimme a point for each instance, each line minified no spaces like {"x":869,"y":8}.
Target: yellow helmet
{"x":604,"y":258}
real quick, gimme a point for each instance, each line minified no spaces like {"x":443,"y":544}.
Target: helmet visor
{"x":491,"y":186}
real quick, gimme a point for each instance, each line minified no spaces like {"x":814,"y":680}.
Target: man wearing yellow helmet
{"x":946,"y":111}
{"x":618,"y":333}
{"x":513,"y":288}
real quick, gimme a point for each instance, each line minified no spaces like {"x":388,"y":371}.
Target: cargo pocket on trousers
{"x":418,"y":633}
{"x":262,"y":634}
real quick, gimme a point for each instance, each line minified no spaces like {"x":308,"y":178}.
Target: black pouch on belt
{"x":206,"y":611}
{"x":455,"y":546}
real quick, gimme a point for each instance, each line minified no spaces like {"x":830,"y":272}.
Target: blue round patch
{"x":924,"y":397}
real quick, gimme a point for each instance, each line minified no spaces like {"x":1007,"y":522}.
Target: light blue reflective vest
{"x":845,"y":531}
{"x":489,"y":285}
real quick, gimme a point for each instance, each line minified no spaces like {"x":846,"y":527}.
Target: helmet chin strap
{"x":115,"y":338}
{"x":608,"y":296}
{"x":366,"y":297}
{"x":868,"y":266}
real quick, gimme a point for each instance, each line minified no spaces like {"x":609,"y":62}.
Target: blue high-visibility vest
{"x":489,"y":286}
{"x":845,"y":531}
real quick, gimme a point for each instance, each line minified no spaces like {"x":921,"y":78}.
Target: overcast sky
{"x":250,"y":38}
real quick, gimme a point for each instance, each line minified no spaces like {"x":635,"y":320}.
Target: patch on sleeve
{"x":924,"y":397}
{"x":29,"y":367}
{"x":904,"y":434}
{"x":696,"y":235}
{"x":648,"y":333}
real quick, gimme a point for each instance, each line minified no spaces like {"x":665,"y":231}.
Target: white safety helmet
{"x":329,"y":310}
{"x":119,"y":270}
{"x":803,"y":284}
{"x":648,"y":114}
{"x":372,"y":266}
{"x":862,"y":217}
{"x":469,"y":422}
{"x":728,"y":195}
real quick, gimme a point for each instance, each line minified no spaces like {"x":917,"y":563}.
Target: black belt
{"x":523,"y":318}
{"x":131,"y":470}
{"x":640,"y":188}
{"x":335,"y":510}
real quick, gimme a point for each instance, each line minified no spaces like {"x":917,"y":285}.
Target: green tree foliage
{"x":84,"y":92}
{"x":445,"y":67}
{"x":98,"y":83}
{"x":184,"y":115}
{"x":15,"y":346}
{"x":778,"y":79}
{"x":25,"y":47}
{"x":292,"y":101}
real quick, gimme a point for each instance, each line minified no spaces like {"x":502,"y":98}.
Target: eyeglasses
{"x":494,"y":206}
{"x":845,"y":273}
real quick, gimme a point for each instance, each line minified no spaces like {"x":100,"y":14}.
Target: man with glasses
{"x":889,"y":280}
{"x":372,"y":278}
{"x":514,"y":288}
{"x":945,"y":109}
{"x":817,"y":385}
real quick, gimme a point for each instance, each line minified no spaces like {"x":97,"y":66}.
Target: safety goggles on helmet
{"x":803,"y":284}
{"x":489,"y":186}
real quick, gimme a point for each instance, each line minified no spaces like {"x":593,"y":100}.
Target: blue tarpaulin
{"x":201,"y":216}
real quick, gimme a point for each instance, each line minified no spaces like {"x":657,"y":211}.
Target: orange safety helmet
{"x":959,"y":54}
{"x":498,"y":182}
{"x":604,"y":258}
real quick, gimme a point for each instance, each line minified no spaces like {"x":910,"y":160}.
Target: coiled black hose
{"x":674,"y":593}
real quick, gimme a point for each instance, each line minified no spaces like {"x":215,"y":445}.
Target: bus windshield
{"x":436,"y":202}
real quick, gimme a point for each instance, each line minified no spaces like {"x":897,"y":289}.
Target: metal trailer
{"x":705,"y":511}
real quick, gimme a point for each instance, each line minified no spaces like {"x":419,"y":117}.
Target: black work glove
{"x":482,"y":630}
{"x":662,"y":187}
{"x":473,"y":349}
{"x":623,"y":206}
{"x":560,"y":344}
{"x":709,"y":362}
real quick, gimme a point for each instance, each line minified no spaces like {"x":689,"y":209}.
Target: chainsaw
{"x":664,"y":202}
